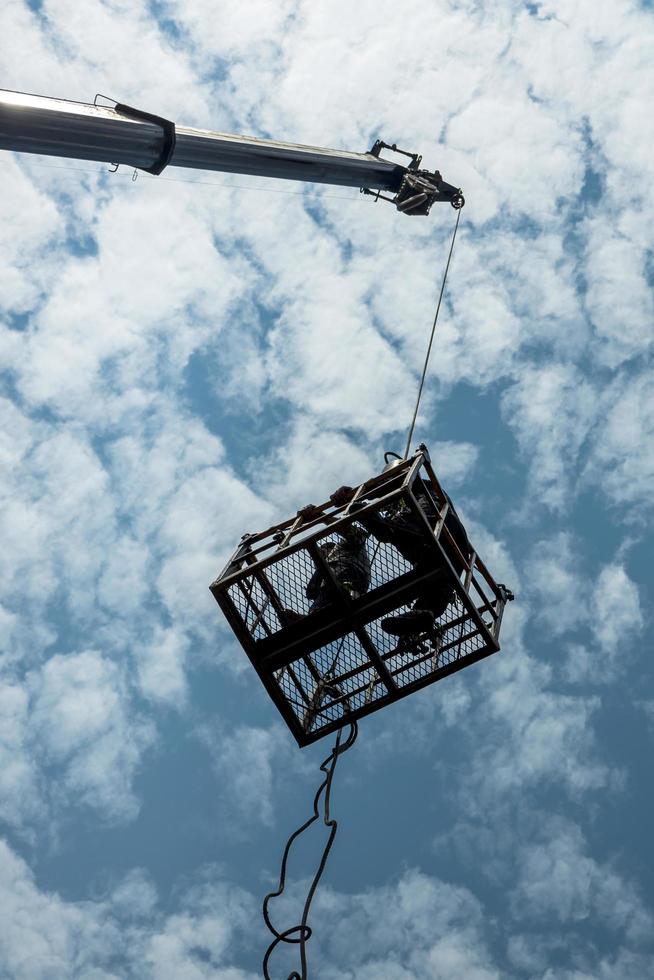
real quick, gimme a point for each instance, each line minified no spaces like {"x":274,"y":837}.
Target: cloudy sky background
{"x":189,"y":357}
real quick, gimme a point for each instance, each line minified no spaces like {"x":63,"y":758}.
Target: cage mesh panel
{"x":386,"y":562}
{"x":289,"y":577}
{"x":331,"y":663}
{"x":340,"y":658}
{"x":344,"y":664}
{"x":289,"y":688}
{"x":352,"y":682}
{"x":248,"y":597}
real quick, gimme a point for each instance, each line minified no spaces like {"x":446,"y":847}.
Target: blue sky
{"x":189,"y":357}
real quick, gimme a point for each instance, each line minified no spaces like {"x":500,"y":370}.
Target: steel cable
{"x":431,"y":339}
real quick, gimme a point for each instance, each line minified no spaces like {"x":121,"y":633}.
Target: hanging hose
{"x":300,"y":934}
{"x":431,"y":339}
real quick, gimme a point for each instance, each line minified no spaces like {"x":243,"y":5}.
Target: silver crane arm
{"x":124,"y":135}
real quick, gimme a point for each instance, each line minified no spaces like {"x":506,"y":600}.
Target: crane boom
{"x":124,"y":135}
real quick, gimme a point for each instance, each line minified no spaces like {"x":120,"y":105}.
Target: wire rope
{"x":431,"y":338}
{"x":204,"y":183}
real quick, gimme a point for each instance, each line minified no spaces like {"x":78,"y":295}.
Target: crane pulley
{"x":122,"y":134}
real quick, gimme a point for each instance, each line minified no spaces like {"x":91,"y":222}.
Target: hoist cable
{"x":431,"y":339}
{"x":300,"y":934}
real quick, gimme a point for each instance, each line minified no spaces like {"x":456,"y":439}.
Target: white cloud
{"x":44,"y":936}
{"x":33,"y":227}
{"x":621,"y":464}
{"x":200,"y":527}
{"x":251,"y":764}
{"x":113,"y":48}
{"x":647,"y":707}
{"x":585,"y":61}
{"x":616,"y":611}
{"x":86,"y":731}
{"x":20,"y":797}
{"x":322,"y":352}
{"x":125,"y":579}
{"x":545,"y":153}
{"x":559,"y":877}
{"x":417,"y":927}
{"x":624,"y":965}
{"x":161,"y":668}
{"x":616,"y":266}
{"x":230,"y":30}
{"x":551,"y":410}
{"x":311,"y":462}
{"x":453,"y":461}
{"x":413,"y":928}
{"x":559,"y":590}
{"x":118,"y":326}
{"x":56,"y":516}
{"x":496,"y":554}
{"x":533,"y":734}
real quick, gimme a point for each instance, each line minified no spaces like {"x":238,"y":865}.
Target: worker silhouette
{"x":348,"y":562}
{"x":402,"y":528}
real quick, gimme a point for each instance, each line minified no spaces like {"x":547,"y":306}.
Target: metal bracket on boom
{"x":168,"y":132}
{"x":380,"y":145}
{"x":419,"y":188}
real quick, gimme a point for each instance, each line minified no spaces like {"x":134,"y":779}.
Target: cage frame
{"x":290,"y":644}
